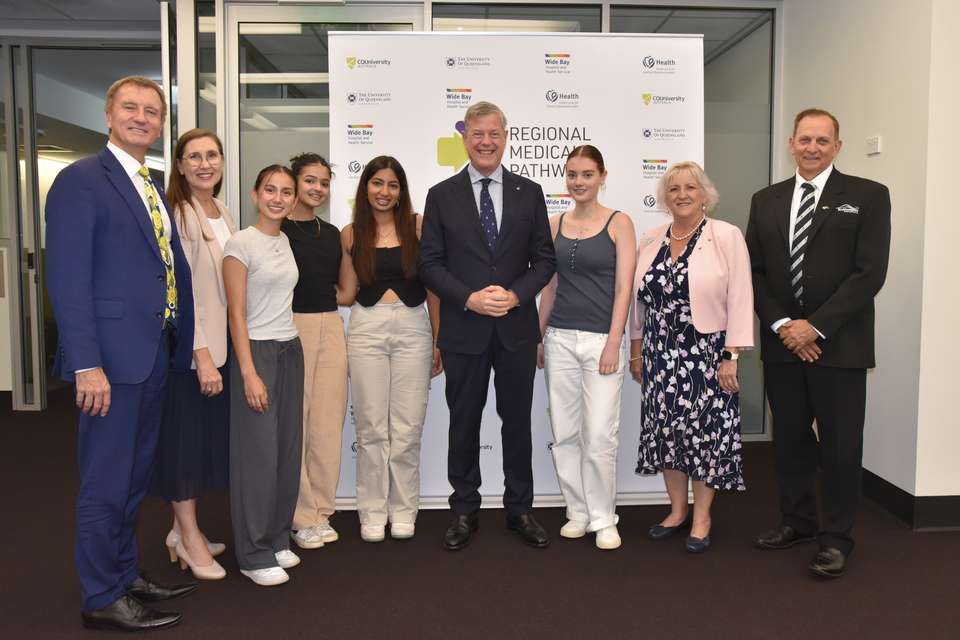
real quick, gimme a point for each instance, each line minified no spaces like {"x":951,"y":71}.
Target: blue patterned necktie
{"x":488,"y":217}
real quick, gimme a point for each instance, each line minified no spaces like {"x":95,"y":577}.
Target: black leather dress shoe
{"x":529,"y":530}
{"x":126,"y":613}
{"x":783,"y":537}
{"x":146,"y":590}
{"x":828,"y":563}
{"x":659,"y":532}
{"x":458,"y":535}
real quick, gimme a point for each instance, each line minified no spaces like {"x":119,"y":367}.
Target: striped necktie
{"x":798,"y":246}
{"x":153,"y":198}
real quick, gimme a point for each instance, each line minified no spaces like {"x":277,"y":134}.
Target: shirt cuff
{"x":818,"y":333}
{"x":91,"y":369}
{"x":779,"y":323}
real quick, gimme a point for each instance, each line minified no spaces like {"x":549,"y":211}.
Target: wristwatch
{"x":729,"y":355}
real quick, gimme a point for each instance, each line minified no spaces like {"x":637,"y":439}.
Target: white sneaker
{"x":402,"y":530}
{"x":269,"y":577}
{"x":307,"y":538}
{"x":287,"y":559}
{"x":372,"y":532}
{"x":573,"y":529}
{"x":326,"y":532}
{"x":608,"y":538}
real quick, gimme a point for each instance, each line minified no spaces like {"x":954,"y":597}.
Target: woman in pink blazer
{"x":193,"y":453}
{"x":692,"y":316}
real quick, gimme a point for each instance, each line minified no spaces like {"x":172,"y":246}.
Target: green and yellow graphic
{"x":450,"y":150}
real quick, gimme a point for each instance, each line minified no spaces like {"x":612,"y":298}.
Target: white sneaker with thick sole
{"x":327,"y":533}
{"x":402,"y":530}
{"x":573,"y":529}
{"x":372,"y":532}
{"x":269,"y":577}
{"x":608,"y":538}
{"x":287,"y":559}
{"x":307,"y":538}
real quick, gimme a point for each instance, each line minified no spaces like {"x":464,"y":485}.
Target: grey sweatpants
{"x":265,"y":452}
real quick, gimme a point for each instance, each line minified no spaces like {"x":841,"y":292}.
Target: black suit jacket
{"x":455,"y":261}
{"x":844,"y":267}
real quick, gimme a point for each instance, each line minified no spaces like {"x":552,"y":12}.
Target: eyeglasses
{"x":196,"y":158}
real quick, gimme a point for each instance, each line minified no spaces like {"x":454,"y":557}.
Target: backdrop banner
{"x":638,"y":98}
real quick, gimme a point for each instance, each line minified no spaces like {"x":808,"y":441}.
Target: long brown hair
{"x":178,"y":189}
{"x":365,"y":226}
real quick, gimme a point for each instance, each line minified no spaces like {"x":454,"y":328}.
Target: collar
{"x":130,"y":164}
{"x":476,"y":176}
{"x":818,"y":182}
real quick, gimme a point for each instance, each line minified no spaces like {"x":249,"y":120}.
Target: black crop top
{"x":388,"y":270}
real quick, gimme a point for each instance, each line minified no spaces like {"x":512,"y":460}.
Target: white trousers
{"x":390,"y":352}
{"x":585,"y":416}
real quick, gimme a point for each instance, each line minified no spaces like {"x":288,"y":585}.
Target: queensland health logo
{"x":650,"y":202}
{"x":360,"y":133}
{"x":660,"y":66}
{"x":357,"y":62}
{"x":557,"y":63}
{"x":656,"y":99}
{"x":561,"y":98}
{"x":557,"y":202}
{"x":450,"y":150}
{"x":653,"y":169}
{"x":458,"y":97}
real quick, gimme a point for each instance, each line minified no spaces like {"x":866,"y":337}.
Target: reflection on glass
{"x":738,"y":50}
{"x":516,"y":17}
{"x":285,"y":95}
{"x":206,"y":65}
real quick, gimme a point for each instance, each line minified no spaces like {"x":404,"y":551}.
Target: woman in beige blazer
{"x":193,"y":453}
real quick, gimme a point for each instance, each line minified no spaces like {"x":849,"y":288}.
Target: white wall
{"x":938,"y":439}
{"x":868,"y":62}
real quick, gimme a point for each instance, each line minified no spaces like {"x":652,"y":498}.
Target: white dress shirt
{"x":495,"y":188}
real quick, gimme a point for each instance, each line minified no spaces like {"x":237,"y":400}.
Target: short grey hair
{"x":712,"y":197}
{"x":481,"y":109}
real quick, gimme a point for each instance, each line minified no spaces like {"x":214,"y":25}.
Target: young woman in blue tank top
{"x":391,"y":349}
{"x":583,"y":312}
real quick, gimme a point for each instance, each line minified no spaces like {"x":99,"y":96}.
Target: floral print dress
{"x":689,"y":424}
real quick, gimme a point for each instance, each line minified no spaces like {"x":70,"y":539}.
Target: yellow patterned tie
{"x":154,"y":199}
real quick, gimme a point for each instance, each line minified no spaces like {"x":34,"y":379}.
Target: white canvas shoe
{"x":269,"y":577}
{"x":307,"y":538}
{"x":573,"y":529}
{"x":287,"y":559}
{"x":608,"y":538}
{"x":372,"y":532}
{"x":402,"y":530}
{"x":327,"y":533}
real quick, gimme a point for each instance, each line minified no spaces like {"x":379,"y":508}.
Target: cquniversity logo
{"x":450,"y":150}
{"x":351,"y":62}
{"x":647,"y":98}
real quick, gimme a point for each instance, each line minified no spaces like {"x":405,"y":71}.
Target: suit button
{"x":159,"y":315}
{"x":160,"y":276}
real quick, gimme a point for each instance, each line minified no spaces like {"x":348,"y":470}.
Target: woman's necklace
{"x":306,"y":231}
{"x":688,"y":234}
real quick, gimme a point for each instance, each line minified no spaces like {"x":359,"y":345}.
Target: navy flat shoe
{"x":698,"y":545}
{"x":659,"y":532}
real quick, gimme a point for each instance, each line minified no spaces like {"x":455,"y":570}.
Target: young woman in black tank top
{"x":583,"y":312}
{"x":391,"y":349}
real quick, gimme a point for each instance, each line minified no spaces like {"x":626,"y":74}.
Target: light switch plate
{"x":874,"y":145}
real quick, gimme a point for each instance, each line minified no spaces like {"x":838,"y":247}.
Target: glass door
{"x":277,"y":85}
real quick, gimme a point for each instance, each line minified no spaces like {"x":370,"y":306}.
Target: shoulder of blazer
{"x":723,"y":229}
{"x":855,"y":182}
{"x":452,"y":183}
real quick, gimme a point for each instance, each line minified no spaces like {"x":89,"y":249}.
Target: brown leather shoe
{"x":828,"y":563}
{"x":783,"y":537}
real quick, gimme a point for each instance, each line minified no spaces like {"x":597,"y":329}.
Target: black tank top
{"x":388,"y":270}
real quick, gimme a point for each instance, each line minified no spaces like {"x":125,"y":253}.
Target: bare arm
{"x":347,"y":285}
{"x":625,"y":241}
{"x":235,"y":281}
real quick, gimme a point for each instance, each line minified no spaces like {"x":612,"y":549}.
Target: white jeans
{"x":585,"y":415}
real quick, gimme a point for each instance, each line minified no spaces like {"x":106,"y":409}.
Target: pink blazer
{"x":206,"y":261}
{"x":721,"y":290}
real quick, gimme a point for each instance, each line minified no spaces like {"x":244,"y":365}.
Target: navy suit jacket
{"x":105,"y":276}
{"x":455,"y":261}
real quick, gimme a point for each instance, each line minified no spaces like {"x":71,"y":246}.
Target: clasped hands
{"x":493,"y":300}
{"x":800,"y":337}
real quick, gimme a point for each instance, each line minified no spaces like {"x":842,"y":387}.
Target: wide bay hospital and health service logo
{"x":557,"y":63}
{"x":458,"y":97}
{"x":360,"y":133}
{"x":653,"y":169}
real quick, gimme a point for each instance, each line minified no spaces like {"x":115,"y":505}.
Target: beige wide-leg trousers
{"x":390,"y":351}
{"x":324,"y":407}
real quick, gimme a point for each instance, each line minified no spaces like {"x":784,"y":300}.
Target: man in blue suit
{"x":120,"y":287}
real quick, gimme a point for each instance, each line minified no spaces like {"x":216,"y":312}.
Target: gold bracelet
{"x":635,"y":358}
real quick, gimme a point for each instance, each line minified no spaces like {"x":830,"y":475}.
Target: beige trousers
{"x":324,"y":407}
{"x":390,"y":349}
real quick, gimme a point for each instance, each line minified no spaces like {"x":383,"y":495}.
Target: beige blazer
{"x":721,"y":286}
{"x":209,"y":295}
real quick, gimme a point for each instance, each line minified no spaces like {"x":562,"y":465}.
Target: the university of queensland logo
{"x":351,"y":62}
{"x":647,"y":133}
{"x":451,"y":62}
{"x":351,"y":98}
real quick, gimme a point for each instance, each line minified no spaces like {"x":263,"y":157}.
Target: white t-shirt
{"x":220,"y":230}
{"x":271,"y":276}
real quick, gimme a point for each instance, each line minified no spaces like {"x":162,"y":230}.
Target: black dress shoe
{"x":659,"y":532}
{"x":529,"y":530}
{"x":828,"y":563}
{"x":146,"y":590}
{"x":458,"y":535}
{"x":126,"y":613}
{"x":783,"y":537}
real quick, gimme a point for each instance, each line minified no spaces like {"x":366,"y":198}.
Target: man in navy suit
{"x":486,"y":251}
{"x":120,"y":287}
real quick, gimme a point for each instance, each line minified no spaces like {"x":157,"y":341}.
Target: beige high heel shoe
{"x":173,"y":538}
{"x":209,"y":572}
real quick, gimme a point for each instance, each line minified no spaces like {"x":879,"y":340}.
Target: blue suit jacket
{"x":105,"y":276}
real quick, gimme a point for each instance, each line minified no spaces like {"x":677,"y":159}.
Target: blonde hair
{"x":711,"y":196}
{"x":139,"y":81}
{"x":481,"y":109}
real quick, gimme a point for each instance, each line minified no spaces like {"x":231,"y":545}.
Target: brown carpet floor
{"x":899,"y":585}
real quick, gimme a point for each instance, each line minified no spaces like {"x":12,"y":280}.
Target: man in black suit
{"x":486,"y":251}
{"x":819,"y":244}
